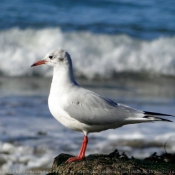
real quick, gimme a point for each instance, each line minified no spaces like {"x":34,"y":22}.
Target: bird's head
{"x":56,"y":58}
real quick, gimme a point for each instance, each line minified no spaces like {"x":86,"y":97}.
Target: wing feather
{"x":93,"y":109}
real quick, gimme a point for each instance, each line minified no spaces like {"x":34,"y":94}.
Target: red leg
{"x":81,"y":154}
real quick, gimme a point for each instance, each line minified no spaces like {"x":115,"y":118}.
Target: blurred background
{"x":122,"y":49}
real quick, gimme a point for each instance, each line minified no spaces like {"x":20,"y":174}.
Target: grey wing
{"x":93,"y":109}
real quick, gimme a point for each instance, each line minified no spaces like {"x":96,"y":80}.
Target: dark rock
{"x":166,"y":157}
{"x":113,"y":164}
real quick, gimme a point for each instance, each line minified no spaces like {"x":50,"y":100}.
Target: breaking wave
{"x":92,"y":54}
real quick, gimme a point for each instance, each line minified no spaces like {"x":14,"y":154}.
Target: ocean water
{"x":123,"y":50}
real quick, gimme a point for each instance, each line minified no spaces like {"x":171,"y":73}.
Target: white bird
{"x":83,"y":110}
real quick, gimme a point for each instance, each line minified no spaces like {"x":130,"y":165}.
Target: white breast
{"x":55,"y":107}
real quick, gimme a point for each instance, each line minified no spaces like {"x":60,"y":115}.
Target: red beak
{"x":39,"y":63}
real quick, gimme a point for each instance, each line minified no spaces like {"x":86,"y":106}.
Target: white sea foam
{"x":92,"y":54}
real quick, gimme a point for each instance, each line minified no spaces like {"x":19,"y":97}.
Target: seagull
{"x":83,"y":110}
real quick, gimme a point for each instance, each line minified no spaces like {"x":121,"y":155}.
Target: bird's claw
{"x":73,"y":159}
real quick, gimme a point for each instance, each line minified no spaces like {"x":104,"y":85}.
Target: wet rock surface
{"x":114,"y":164}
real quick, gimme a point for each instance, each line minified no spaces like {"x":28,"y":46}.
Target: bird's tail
{"x":153,"y":116}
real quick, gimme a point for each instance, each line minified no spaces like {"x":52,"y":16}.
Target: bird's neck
{"x":63,"y":79}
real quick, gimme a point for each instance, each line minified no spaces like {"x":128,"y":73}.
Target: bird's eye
{"x":61,"y":59}
{"x":50,"y":57}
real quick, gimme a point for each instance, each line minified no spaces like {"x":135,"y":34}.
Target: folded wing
{"x":93,"y":109}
